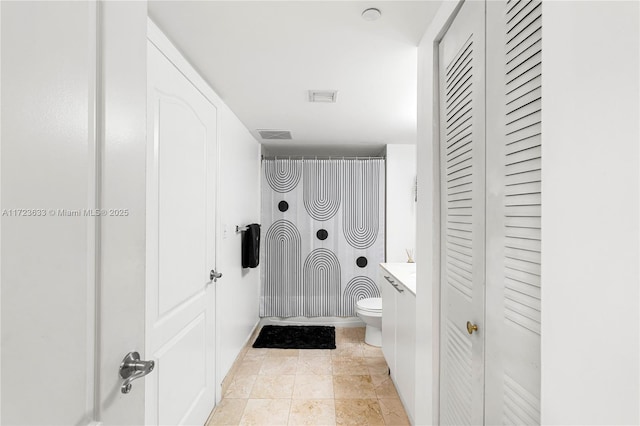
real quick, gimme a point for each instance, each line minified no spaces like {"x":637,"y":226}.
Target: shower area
{"x":323,"y":224}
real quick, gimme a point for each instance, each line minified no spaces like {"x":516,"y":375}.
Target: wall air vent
{"x":323,"y":95}
{"x":275,"y":134}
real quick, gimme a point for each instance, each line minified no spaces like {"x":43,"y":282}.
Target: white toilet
{"x":370,"y":311}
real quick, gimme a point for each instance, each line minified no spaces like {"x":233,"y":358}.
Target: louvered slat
{"x":518,"y":92}
{"x":523,"y":166}
{"x":458,"y":369}
{"x":458,"y":148}
{"x":459,"y":102}
{"x":463,"y":155}
{"x":522,"y":101}
{"x":523,"y":77}
{"x":523,"y":222}
{"x":531,"y":131}
{"x":518,"y":211}
{"x":461,"y":133}
{"x":525,"y":266}
{"x":524,"y":177}
{"x":452,"y":246}
{"x":523,"y":277}
{"x":523,"y":288}
{"x":520,"y":243}
{"x":524,"y":233}
{"x":523,"y":188}
{"x":522,"y":144}
{"x":518,"y":409}
{"x":520,"y":156}
{"x":522,"y":191}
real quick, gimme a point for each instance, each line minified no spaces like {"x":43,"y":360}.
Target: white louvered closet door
{"x":490,"y":164}
{"x":514,"y":48}
{"x":462,"y":121}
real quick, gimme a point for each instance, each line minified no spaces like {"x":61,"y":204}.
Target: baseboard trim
{"x":236,"y":364}
{"x":334,"y":321}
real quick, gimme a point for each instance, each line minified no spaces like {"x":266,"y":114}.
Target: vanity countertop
{"x":405,"y":273}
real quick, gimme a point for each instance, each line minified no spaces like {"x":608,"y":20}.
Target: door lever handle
{"x":214,"y":275}
{"x":132,"y":368}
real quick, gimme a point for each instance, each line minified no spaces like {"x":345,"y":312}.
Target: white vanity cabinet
{"x":397,"y":282}
{"x":389,"y":318}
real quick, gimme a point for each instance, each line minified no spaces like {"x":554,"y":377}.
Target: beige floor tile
{"x":340,"y":332}
{"x":312,"y":412}
{"x":358,"y":412}
{"x":249,"y":367}
{"x":376,"y":365}
{"x":240,"y":386}
{"x":298,"y":387}
{"x":279,"y":365}
{"x":371,"y":351}
{"x":393,"y":412}
{"x":384,"y":386}
{"x":314,"y":365}
{"x":272,"y":387}
{"x":262,"y":412}
{"x":313,"y":387}
{"x":359,"y":387}
{"x":228,"y":412}
{"x":350,"y":334}
{"x":311,"y":353}
{"x":349,"y":366}
{"x":256,"y":353}
{"x":283,"y":352}
{"x":349,"y":350}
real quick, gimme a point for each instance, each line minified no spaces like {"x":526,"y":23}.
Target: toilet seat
{"x":372,"y":305}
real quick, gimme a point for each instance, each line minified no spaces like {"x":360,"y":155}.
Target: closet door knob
{"x":471,"y":327}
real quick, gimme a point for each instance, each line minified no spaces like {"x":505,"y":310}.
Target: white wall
{"x":590,"y":355}
{"x":590,"y":300}
{"x":401,"y":205}
{"x":239,"y":204}
{"x":46,"y":148}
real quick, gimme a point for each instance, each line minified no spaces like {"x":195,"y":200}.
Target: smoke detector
{"x":275,"y":134}
{"x":323,"y":95}
{"x":371,"y":14}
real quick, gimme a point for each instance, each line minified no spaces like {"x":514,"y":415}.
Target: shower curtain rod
{"x":319,"y":157}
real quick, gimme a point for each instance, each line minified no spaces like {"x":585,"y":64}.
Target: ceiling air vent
{"x":275,"y":134}
{"x":323,"y":95}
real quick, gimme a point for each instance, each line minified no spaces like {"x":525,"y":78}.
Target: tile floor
{"x":349,"y":385}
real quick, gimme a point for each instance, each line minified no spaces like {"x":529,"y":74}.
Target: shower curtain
{"x":323,"y":224}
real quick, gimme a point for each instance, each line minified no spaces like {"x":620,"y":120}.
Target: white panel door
{"x":462,"y":178}
{"x":49,"y":178}
{"x":514,"y":93}
{"x":180,"y":245}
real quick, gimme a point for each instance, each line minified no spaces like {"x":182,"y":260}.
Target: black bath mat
{"x":296,"y":337}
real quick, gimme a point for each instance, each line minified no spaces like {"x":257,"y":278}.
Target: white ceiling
{"x":262,"y":57}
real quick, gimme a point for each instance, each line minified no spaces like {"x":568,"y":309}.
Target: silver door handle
{"x":132,"y":368}
{"x":393,"y":283}
{"x":214,"y":275}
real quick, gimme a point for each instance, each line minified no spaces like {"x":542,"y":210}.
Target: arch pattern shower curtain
{"x":324,"y":235}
